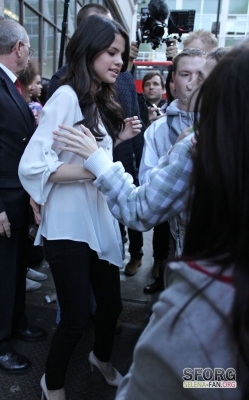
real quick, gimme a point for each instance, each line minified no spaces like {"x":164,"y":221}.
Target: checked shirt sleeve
{"x":164,"y":196}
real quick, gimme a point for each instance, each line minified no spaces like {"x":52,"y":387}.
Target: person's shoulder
{"x":2,"y":73}
{"x":125,"y":76}
{"x":173,"y":108}
{"x":161,"y":103}
{"x":35,"y":105}
{"x":157,"y":129}
{"x":160,"y":123}
{"x":61,"y":71}
{"x":64,"y":93}
{"x":125,"y":79}
{"x":141,"y":100}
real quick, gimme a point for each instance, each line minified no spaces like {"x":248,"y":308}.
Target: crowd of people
{"x":88,"y":172}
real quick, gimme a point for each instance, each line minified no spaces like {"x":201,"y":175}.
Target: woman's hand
{"x":4,"y":225}
{"x":132,"y":128}
{"x":36,"y":210}
{"x":82,"y":143}
{"x":184,"y":134}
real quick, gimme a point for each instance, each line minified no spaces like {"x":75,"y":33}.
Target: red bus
{"x":142,"y":67}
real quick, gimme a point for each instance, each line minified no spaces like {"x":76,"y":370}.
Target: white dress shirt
{"x":8,"y":72}
{"x":72,"y":210}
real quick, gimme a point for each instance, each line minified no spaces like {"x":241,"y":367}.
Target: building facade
{"x":43,"y":20}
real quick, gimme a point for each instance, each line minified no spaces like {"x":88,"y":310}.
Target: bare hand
{"x":153,"y":114}
{"x":4,"y":225}
{"x":82,"y":142}
{"x":134,"y":50}
{"x":194,"y":143}
{"x":132,"y":128}
{"x":171,"y":51}
{"x":36,"y":210}
{"x":184,"y":133}
{"x":133,"y":54}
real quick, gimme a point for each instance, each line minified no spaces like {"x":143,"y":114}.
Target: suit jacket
{"x":17,"y":125}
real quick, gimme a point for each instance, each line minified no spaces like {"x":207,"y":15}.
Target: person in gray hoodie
{"x":159,"y":138}
{"x":163,"y":133}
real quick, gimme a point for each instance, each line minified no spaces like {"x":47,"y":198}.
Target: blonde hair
{"x":208,"y":39}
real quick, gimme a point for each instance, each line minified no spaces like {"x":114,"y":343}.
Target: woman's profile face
{"x":27,"y":92}
{"x":108,"y":64}
{"x":37,"y":86}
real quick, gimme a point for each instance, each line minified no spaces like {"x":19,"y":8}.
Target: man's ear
{"x":17,"y":47}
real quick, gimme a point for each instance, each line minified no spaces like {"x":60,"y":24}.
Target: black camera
{"x":151,"y":30}
{"x":152,"y":23}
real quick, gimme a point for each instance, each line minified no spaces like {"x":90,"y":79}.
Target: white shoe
{"x":35,"y":275}
{"x":32,"y":285}
{"x":51,"y":394}
{"x":93,"y":361}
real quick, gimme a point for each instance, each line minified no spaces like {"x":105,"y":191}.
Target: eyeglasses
{"x":31,"y":51}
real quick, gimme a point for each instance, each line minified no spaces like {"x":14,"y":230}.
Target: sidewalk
{"x":81,"y":383}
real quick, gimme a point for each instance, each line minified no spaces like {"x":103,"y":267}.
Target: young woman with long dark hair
{"x":81,"y":239}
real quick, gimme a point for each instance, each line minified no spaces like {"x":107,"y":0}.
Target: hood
{"x":218,"y":295}
{"x":177,"y":120}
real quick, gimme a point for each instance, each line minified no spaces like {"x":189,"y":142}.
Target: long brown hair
{"x":218,"y":227}
{"x":94,"y":35}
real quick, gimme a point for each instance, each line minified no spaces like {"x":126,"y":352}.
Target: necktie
{"x":18,"y":86}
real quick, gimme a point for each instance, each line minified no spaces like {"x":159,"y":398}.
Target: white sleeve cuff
{"x":98,"y":162}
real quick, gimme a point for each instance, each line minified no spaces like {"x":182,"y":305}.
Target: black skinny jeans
{"x":160,"y":240}
{"x":74,"y":266}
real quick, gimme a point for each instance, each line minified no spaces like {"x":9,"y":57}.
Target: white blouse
{"x":74,"y":210}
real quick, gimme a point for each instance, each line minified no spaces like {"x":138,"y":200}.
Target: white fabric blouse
{"x":73,"y":210}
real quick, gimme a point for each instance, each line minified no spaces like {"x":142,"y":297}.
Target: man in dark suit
{"x":17,"y":125}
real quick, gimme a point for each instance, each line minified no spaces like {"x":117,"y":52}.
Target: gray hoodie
{"x":160,"y":136}
{"x":202,"y":337}
{"x":177,"y":120}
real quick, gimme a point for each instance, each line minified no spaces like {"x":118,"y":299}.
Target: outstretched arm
{"x":140,"y":208}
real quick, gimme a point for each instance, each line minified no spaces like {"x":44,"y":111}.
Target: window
{"x":11,"y":10}
{"x":171,"y":4}
{"x":48,"y":10}
{"x":211,"y":6}
{"x":45,"y":15}
{"x":48,"y":51}
{"x":238,"y":7}
{"x":31,"y":24}
{"x":192,"y":5}
{"x":231,"y":41}
{"x":34,"y":4}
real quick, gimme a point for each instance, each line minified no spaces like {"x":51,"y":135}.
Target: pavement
{"x":81,"y":383}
